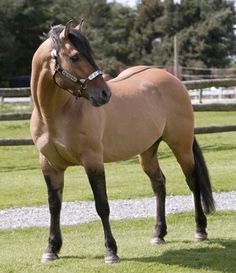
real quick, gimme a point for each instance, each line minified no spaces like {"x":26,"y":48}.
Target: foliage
{"x":83,"y":247}
{"x":210,"y":39}
{"x":121,"y":34}
{"x":21,"y":24}
{"x":205,"y":34}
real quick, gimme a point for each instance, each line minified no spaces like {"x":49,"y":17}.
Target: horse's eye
{"x":74,"y":58}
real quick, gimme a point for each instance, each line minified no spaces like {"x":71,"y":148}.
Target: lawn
{"x":22,"y":183}
{"x":83,"y":250}
{"x":16,"y":107}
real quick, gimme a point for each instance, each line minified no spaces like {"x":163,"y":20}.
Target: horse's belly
{"x":124,"y":145}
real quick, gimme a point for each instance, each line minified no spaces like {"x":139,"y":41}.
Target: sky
{"x":131,"y":3}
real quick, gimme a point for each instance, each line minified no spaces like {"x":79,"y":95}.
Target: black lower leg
{"x":54,"y":200}
{"x":200,"y":218}
{"x":158,"y":185}
{"x":98,"y":185}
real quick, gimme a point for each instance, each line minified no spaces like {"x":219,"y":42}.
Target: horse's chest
{"x":59,"y":149}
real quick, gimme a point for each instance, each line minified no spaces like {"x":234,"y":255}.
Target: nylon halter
{"x":82,"y":82}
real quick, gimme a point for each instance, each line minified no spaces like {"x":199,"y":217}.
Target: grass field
{"x":83,"y":249}
{"x":22,"y":183}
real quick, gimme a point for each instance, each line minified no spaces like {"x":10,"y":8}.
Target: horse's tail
{"x":202,"y":179}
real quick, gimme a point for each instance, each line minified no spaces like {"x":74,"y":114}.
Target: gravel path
{"x":81,"y":212}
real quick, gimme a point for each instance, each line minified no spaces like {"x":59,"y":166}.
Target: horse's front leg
{"x":55,"y":182}
{"x":98,"y":185}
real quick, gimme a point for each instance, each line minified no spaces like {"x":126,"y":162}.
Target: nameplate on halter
{"x":95,"y":74}
{"x":69,"y":76}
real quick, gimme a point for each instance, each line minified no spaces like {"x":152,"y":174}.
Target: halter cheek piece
{"x":82,"y":82}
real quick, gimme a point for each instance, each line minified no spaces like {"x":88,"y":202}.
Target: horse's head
{"x":74,"y":67}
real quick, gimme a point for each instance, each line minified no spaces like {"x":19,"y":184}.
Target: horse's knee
{"x":54,"y":196}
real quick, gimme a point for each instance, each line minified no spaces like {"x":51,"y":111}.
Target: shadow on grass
{"x":219,"y":147}
{"x":219,"y":258}
{"x":73,"y":257}
{"x":18,"y":168}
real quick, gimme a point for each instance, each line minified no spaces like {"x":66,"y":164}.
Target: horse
{"x":81,"y":119}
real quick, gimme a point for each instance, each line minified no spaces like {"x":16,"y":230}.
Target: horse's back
{"x":129,"y":72}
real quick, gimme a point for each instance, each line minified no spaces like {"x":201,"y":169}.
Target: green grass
{"x":16,"y":107}
{"x":15,"y":129}
{"x":23,"y":185}
{"x":214,"y":118}
{"x":83,"y":248}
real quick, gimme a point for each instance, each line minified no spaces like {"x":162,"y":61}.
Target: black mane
{"x":78,"y":40}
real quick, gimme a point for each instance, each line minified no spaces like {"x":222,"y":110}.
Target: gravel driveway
{"x":81,"y":212}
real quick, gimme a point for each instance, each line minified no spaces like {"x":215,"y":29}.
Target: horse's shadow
{"x":218,"y":255}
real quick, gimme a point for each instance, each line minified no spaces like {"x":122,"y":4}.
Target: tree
{"x":144,"y":32}
{"x":118,"y":29}
{"x":210,"y":40}
{"x":22,"y":22}
{"x":205,"y":34}
{"x":120,"y":34}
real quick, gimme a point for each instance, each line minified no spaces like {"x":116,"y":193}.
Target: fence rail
{"x":15,"y":116}
{"x":15,"y":92}
{"x":201,"y":84}
{"x":191,"y":85}
{"x":197,"y":130}
{"x":196,"y":107}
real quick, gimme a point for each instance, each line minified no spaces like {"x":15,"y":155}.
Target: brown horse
{"x":140,"y":108}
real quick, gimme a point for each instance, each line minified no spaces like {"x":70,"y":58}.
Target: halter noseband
{"x":82,"y":82}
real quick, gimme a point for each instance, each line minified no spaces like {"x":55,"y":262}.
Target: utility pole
{"x":176,"y":57}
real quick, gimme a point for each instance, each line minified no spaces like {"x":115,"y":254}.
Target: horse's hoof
{"x":112,"y":259}
{"x":48,"y":257}
{"x":200,"y":236}
{"x":157,"y":241}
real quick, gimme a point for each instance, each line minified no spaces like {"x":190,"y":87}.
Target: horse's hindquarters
{"x":145,"y":107}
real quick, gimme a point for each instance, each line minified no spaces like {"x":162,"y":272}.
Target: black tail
{"x":202,"y":179}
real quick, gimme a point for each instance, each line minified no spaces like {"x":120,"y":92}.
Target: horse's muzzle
{"x":100,"y":98}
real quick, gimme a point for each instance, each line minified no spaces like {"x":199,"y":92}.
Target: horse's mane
{"x":78,"y":40}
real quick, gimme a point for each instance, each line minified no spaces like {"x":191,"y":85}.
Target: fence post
{"x":200,"y":95}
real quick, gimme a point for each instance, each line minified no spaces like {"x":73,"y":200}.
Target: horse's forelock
{"x":80,"y":42}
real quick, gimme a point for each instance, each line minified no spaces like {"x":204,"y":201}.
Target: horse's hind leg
{"x":150,"y":165}
{"x":193,"y":165}
{"x":55,"y":182}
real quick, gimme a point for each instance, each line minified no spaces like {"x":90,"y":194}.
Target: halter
{"x":82,"y":82}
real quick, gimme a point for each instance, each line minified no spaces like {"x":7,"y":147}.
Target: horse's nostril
{"x":104,"y":94}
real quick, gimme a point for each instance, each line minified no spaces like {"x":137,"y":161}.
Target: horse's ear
{"x":79,"y":26}
{"x":66,"y":31}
